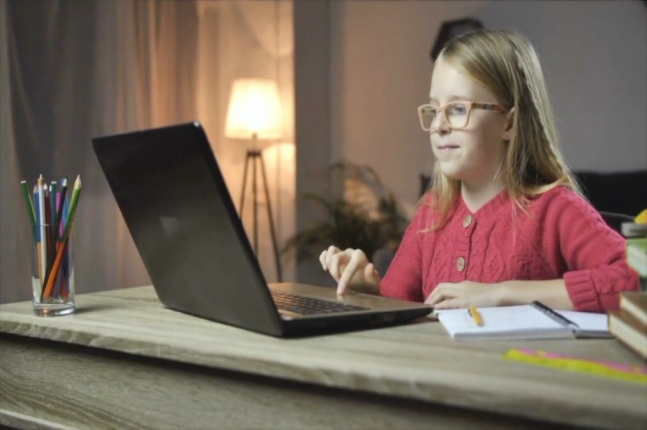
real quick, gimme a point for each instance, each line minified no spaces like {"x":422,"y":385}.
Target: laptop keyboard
{"x":308,"y":305}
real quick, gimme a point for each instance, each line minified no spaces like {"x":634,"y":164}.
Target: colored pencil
{"x":76,"y":192}
{"x":62,"y":211}
{"x":52,"y":199}
{"x":41,"y":227}
{"x":62,"y":244}
{"x":30,"y":208}
{"x":476,"y":315}
{"x":57,"y":232}
{"x":48,"y":229}
{"x":59,"y":214}
{"x":65,"y":275}
{"x":41,"y":275}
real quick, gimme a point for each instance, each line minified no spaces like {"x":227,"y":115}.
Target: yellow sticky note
{"x":597,"y":368}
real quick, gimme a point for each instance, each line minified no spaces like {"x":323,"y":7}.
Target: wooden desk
{"x":123,"y":361}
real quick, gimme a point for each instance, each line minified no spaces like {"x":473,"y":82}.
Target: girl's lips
{"x":448,"y":146}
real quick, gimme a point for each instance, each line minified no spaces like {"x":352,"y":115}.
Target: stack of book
{"x":636,"y":234}
{"x":637,"y":258}
{"x":629,"y":324}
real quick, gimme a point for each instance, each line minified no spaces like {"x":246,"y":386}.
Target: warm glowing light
{"x":254,"y":110}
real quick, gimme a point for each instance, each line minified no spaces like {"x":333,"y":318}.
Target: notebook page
{"x":588,"y":321}
{"x":502,"y":322}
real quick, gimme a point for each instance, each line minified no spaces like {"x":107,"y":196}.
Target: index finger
{"x":348,"y":273}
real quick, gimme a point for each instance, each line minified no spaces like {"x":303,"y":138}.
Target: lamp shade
{"x":254,"y":110}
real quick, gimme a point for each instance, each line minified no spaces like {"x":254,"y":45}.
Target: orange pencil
{"x":55,"y":267}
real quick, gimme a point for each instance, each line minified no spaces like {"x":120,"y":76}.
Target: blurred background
{"x":337,"y":84}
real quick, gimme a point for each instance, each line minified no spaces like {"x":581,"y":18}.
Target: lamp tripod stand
{"x":253,"y":156}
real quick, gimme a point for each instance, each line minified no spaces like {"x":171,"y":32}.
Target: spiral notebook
{"x":533,"y":321}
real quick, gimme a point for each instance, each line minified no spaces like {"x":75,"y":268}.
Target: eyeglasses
{"x":457,"y":114}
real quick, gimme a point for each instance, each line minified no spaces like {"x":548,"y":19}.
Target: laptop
{"x":177,"y":207}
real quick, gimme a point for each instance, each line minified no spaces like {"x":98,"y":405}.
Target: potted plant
{"x":367,"y":217}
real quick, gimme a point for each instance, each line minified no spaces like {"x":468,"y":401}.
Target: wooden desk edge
{"x":455,"y":396}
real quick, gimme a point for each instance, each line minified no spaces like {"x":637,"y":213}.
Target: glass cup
{"x":52,"y":271}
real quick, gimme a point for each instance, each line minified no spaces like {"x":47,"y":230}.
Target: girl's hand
{"x":351,"y":269}
{"x":448,"y":295}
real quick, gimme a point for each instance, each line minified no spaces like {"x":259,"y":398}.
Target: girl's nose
{"x":440,"y":123}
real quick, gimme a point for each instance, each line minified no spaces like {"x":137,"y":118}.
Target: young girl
{"x":504,"y":223}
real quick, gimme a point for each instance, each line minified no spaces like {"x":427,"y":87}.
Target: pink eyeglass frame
{"x":470,"y":105}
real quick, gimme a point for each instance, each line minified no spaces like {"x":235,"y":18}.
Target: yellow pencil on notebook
{"x":476,"y":315}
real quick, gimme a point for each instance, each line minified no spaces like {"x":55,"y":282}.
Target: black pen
{"x":554,"y":315}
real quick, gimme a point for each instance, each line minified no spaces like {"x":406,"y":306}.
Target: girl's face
{"x":472,"y":154}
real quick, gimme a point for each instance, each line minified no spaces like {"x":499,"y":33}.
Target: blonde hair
{"x":506,"y":63}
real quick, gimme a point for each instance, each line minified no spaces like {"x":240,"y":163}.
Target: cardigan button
{"x":467,"y":221}
{"x":460,"y":264}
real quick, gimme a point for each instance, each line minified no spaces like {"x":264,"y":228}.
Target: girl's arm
{"x":552,"y":293}
{"x":595,"y":256}
{"x":573,"y":237}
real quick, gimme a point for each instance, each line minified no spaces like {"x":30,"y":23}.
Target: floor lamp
{"x":255,"y":113}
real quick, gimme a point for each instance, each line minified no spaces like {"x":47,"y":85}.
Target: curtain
{"x":13,"y":226}
{"x":80,"y":69}
{"x":71,"y":70}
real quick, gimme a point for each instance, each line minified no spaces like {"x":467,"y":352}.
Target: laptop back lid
{"x":176,"y":204}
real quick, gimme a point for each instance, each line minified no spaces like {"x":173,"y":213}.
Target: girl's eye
{"x":430,"y":111}
{"x":458,"y":109}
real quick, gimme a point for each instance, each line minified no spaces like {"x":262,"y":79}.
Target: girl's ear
{"x":508,"y":133}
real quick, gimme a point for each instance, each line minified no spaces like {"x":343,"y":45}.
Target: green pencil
{"x":30,"y":207}
{"x":70,"y":216}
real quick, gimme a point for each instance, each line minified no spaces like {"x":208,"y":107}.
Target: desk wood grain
{"x":418,"y":361}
